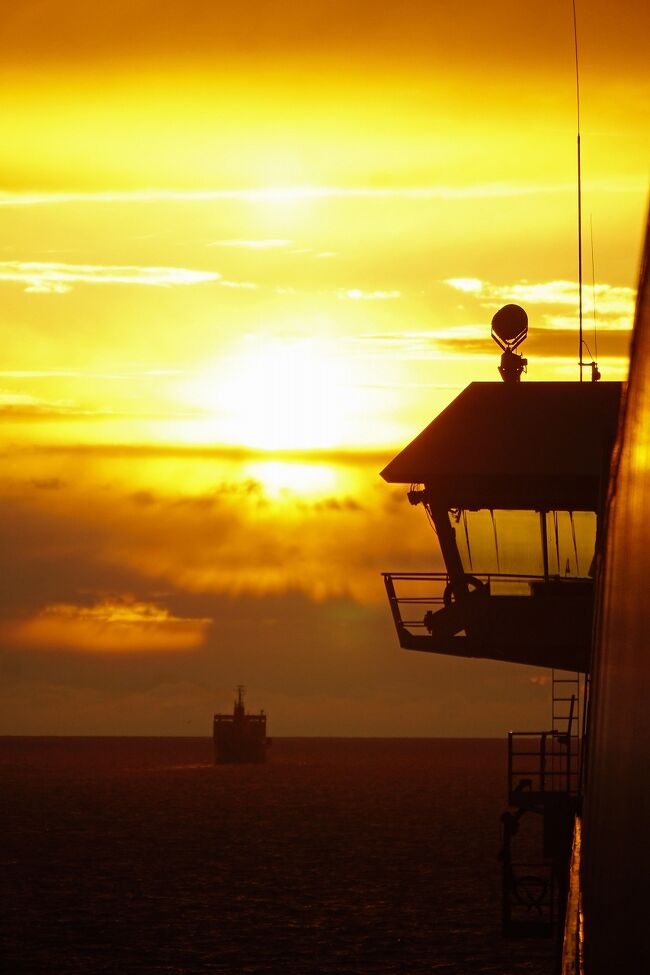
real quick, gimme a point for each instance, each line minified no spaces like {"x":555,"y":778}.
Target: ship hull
{"x":237,"y":741}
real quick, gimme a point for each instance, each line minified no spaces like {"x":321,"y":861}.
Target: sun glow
{"x":285,"y":479}
{"x":279,"y":395}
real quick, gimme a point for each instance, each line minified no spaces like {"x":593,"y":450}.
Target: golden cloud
{"x":278,"y":194}
{"x":115,"y":625}
{"x":610,"y":301}
{"x":54,"y":278}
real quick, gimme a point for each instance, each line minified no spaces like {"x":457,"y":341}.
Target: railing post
{"x":568,"y":744}
{"x":392,"y":599}
{"x":510,"y":740}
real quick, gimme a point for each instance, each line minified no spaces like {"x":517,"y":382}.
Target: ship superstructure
{"x":514,"y":480}
{"x":240,"y":736}
{"x":611,"y":862}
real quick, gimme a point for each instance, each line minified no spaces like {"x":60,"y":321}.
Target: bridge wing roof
{"x":516,"y":445}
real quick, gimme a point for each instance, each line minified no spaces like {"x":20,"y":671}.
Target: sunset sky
{"x":248,"y":251}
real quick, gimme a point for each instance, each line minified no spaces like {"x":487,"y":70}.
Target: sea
{"x":139,"y":856}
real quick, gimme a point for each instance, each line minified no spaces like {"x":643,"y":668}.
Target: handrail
{"x":434,"y":616}
{"x":552,"y":748}
{"x":404,"y":576}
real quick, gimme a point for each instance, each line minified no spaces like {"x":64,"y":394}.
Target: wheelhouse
{"x":512,"y":477}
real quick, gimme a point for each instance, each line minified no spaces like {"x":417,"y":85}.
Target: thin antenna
{"x":575,"y":42}
{"x":593,"y":285}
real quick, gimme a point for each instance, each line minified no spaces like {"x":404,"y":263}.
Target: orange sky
{"x":233,"y":232}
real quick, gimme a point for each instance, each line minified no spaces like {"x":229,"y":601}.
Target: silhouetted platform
{"x":542,"y":450}
{"x":239,"y":737}
{"x":520,"y":445}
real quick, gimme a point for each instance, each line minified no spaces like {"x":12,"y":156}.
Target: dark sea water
{"x":139,"y":856}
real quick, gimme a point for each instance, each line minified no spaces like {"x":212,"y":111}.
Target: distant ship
{"x":239,"y":737}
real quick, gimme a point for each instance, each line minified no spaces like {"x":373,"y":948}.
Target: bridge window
{"x":512,"y":542}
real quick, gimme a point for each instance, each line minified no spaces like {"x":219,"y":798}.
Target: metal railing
{"x":542,"y":762}
{"x":425,"y":602}
{"x":426,"y":589}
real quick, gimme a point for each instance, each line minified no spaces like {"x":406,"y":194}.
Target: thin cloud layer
{"x":625,"y":184}
{"x":255,"y":245}
{"x":610,"y":301}
{"x":357,"y":294}
{"x":55,"y":278}
{"x":112,"y":625}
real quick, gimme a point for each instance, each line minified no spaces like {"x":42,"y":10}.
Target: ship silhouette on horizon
{"x":239,"y":737}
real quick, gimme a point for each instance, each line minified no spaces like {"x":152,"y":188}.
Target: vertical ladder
{"x":567,"y":689}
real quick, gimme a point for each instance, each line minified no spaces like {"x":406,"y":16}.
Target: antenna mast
{"x":593,"y":292}
{"x":575,"y":42}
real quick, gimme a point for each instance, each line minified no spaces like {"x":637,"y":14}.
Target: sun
{"x":278,"y":394}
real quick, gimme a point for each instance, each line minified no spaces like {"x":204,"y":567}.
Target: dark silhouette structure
{"x":611,"y":876}
{"x":509,"y":329}
{"x":516,"y":480}
{"x":240,"y":737}
{"x":513,"y":477}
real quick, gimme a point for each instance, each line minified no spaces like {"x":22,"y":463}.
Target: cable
{"x":593,"y":286}
{"x":575,"y":40}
